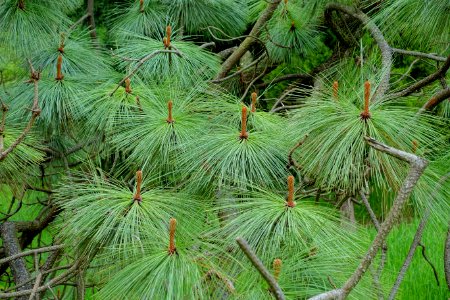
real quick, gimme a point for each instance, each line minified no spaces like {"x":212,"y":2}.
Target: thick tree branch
{"x":386,"y":51}
{"x":18,"y":266}
{"x":245,"y":45}
{"x":417,"y":166}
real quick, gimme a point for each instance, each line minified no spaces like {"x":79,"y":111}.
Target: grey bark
{"x":18,"y":266}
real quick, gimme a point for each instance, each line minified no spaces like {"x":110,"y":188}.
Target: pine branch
{"x":417,"y":166}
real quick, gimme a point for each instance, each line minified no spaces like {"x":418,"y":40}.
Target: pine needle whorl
{"x":335,"y":90}
{"x":244,"y":133}
{"x":290,"y":199}
{"x":59,"y":74}
{"x":137,"y":195}
{"x":169,"y":107}
{"x":172,"y":227}
{"x":254,"y":97}
{"x":277,"y":263}
{"x":366,"y":113}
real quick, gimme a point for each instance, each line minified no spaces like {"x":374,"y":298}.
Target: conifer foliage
{"x":200,"y":149}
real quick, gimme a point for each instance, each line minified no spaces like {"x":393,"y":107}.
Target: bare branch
{"x":275,"y":288}
{"x":30,"y":252}
{"x":419,"y":54}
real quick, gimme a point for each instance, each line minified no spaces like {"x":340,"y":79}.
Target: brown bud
{"x":290,"y":199}
{"x":137,"y":194}
{"x":366,"y":113}
{"x":244,"y":133}
{"x":169,"y":107}
{"x":172,"y":227}
{"x":59,"y":75}
{"x":141,"y":5}
{"x":128,"y":85}
{"x":335,"y":90}
{"x":254,"y":96}
{"x":277,"y":263}
{"x":165,"y":42}
{"x":169,"y":34}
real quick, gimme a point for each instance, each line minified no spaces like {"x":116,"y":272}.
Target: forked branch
{"x":417,"y":166}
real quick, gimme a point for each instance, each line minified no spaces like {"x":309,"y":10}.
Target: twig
{"x":30,"y":252}
{"x":417,"y":166}
{"x":206,"y":45}
{"x":275,"y":288}
{"x":286,"y":107}
{"x":424,"y":82}
{"x":436,"y":276}
{"x":419,"y":54}
{"x":292,"y":161}
{"x":79,"y":21}
{"x":141,"y":62}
